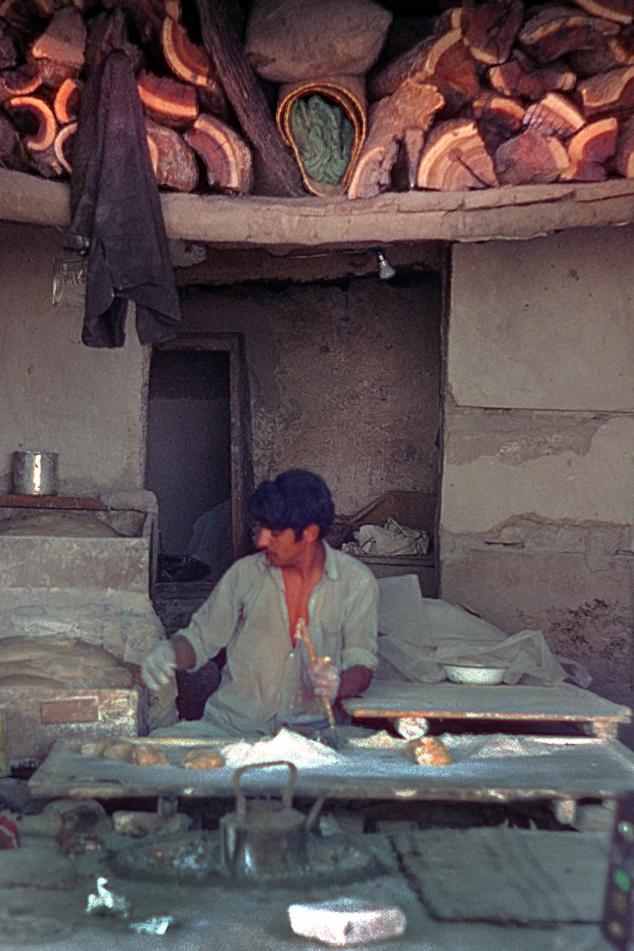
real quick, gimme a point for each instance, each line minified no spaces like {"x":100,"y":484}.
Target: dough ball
{"x":95,"y":747}
{"x":428,"y":751}
{"x":147,"y":755}
{"x":205,"y":758}
{"x":122,"y":750}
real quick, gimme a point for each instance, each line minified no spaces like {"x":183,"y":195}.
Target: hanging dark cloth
{"x":116,"y":214}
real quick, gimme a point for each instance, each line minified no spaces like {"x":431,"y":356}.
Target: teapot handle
{"x":287,"y":793}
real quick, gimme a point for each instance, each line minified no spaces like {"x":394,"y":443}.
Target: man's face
{"x":282,"y":549}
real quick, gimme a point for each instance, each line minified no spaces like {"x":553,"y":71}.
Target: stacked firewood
{"x":497,"y":94}
{"x":506,"y":95}
{"x":49,"y":47}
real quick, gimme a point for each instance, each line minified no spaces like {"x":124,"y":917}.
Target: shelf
{"x":506,"y":213}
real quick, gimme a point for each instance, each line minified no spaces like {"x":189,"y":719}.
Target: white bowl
{"x":462,"y":674}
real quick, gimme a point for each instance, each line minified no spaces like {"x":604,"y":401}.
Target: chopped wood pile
{"x":495,"y":93}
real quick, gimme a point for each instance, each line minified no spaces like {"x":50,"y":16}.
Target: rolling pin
{"x":301,"y":633}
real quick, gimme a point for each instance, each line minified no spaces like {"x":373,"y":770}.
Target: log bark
{"x":624,"y":155}
{"x":589,"y":149}
{"x":411,"y":108}
{"x":555,"y":31}
{"x":23,"y":81}
{"x":554,"y":115}
{"x":619,"y":11}
{"x":499,"y":119}
{"x":280,"y":173}
{"x":172,"y":159}
{"x":490,"y":29}
{"x":167,"y":101}
{"x":191,"y":64}
{"x":530,"y":159}
{"x":607,"y":92}
{"x":63,"y":146}
{"x":58,"y":54}
{"x":443,"y":60}
{"x":67,"y":101}
{"x":227,"y":157}
{"x":455,"y":158}
{"x":35,"y":120}
{"x":522,"y":78}
{"x":108,"y":32}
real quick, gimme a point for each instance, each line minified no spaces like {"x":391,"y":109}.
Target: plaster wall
{"x":56,"y":394}
{"x":538,"y":462}
{"x":344,"y":378}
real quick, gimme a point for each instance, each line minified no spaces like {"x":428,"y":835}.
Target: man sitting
{"x":254,"y":610}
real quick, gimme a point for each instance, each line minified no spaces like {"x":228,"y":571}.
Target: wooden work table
{"x":562,"y":703}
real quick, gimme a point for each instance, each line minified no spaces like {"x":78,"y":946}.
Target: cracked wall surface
{"x":538,"y":463}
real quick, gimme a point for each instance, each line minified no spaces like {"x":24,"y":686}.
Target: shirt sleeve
{"x":359,"y":645}
{"x":213,"y":625}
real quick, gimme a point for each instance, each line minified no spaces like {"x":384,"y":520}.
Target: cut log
{"x":622,"y":46}
{"x":554,"y":115}
{"x":35,"y":120}
{"x":555,"y":31}
{"x":490,"y":29}
{"x":521,"y":78}
{"x":455,"y":158}
{"x":191,"y":63}
{"x":12,"y":152}
{"x":412,"y":107}
{"x":63,"y":146}
{"x":607,"y":92}
{"x":173,"y":161}
{"x":443,"y":60}
{"x":280,"y":172}
{"x":147,"y":16}
{"x":619,"y":11}
{"x":23,"y":81}
{"x":67,"y":101}
{"x":499,"y":118}
{"x":22,"y":20}
{"x":8,"y":51}
{"x":530,"y":159}
{"x":226,"y":156}
{"x":451,"y":19}
{"x":590,"y":62}
{"x":173,"y":9}
{"x":167,"y":101}
{"x":624,"y":154}
{"x":46,"y":163}
{"x":589,"y":149}
{"x":59,"y":52}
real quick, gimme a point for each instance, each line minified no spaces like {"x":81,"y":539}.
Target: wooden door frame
{"x":241,"y":465}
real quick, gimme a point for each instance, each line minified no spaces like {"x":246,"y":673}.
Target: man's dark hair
{"x":295,"y":499}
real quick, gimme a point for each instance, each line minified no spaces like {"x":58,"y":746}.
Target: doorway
{"x":196,"y":454}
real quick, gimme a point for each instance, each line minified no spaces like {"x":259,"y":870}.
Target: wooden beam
{"x":511,"y":212}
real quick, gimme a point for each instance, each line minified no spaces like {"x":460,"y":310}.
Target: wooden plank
{"x":563,"y":768}
{"x":511,"y":212}
{"x":50,"y":502}
{"x":563,"y":703}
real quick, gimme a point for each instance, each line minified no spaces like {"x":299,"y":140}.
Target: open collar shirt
{"x":263,"y":683}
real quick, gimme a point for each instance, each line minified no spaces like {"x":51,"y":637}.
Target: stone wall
{"x":344,"y":378}
{"x":56,"y":394}
{"x":538,"y":468}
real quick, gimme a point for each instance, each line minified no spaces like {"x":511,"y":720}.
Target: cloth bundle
{"x":319,"y":51}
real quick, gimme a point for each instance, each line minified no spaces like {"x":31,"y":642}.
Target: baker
{"x":268,"y":680}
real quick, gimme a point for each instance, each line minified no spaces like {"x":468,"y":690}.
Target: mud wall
{"x":56,"y":394}
{"x":344,"y":378}
{"x":538,"y":468}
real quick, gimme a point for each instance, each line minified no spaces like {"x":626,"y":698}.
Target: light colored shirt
{"x":264,"y":683}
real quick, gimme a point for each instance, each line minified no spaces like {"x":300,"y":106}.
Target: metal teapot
{"x":266,"y":838}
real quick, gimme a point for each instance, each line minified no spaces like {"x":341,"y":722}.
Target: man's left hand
{"x":325,"y":679}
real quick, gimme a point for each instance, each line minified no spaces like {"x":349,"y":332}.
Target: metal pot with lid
{"x":264,"y":837}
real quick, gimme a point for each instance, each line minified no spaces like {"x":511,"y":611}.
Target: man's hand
{"x":158,"y":667}
{"x":325,"y":679}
